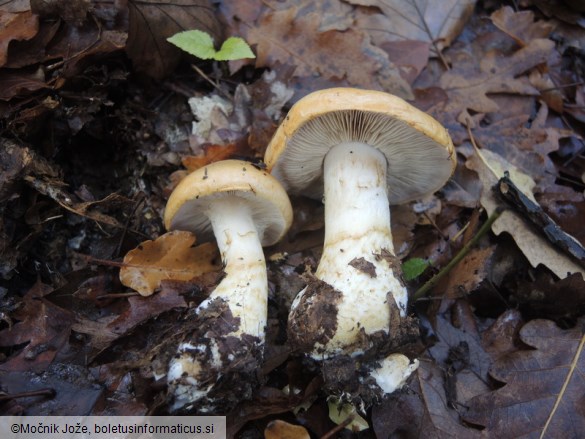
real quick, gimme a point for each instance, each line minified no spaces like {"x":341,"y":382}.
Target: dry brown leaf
{"x":537,"y":249}
{"x":422,"y":20}
{"x":308,"y":35}
{"x":469,"y":273}
{"x":284,"y":35}
{"x":151,"y":22}
{"x":212,"y":153}
{"x":283,"y":430}
{"x":169,"y":257}
{"x":422,"y":411}
{"x":16,"y":27}
{"x":543,"y":395}
{"x":42,"y":328}
{"x":468,"y":86}
{"x":520,"y":25}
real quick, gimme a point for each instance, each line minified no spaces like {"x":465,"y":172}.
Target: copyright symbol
{"x":14,"y":428}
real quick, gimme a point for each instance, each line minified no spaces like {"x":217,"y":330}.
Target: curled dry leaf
{"x":537,"y":249}
{"x":543,"y":395}
{"x":171,"y":256}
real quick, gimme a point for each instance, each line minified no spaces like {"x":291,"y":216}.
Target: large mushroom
{"x":360,"y":150}
{"x":244,"y":208}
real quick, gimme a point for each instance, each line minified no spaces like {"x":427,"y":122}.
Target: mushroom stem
{"x":358,"y":256}
{"x":245,"y":286}
{"x":239,"y":301}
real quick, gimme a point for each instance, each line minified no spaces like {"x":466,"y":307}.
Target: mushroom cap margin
{"x":331,"y":100}
{"x":272,"y":210}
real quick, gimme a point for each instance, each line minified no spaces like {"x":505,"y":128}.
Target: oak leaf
{"x":537,"y":249}
{"x":437,"y":23}
{"x":544,"y":386}
{"x":171,"y":256}
{"x":468,"y":85}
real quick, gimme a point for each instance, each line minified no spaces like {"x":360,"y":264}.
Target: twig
{"x":49,"y":393}
{"x":208,"y":79}
{"x":422,"y":291}
{"x":338,"y":428}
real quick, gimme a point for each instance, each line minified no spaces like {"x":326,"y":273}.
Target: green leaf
{"x":195,"y":42}
{"x":200,"y":44}
{"x":234,"y":48}
{"x":413,"y":268}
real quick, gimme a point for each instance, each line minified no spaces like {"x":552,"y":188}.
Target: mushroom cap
{"x":418,"y":149}
{"x":268,"y":202}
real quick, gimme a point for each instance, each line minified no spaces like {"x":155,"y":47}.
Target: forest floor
{"x":100,"y":117}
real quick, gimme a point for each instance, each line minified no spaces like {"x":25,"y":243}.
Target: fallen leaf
{"x":537,"y":249}
{"x":555,"y":299}
{"x":544,"y":386}
{"x":421,"y":412}
{"x":16,"y":27}
{"x":296,"y":36}
{"x":73,"y":12}
{"x":43,"y":326}
{"x":520,"y":25}
{"x":141,"y":309}
{"x":469,"y":273}
{"x":76,"y":391}
{"x":422,"y":20}
{"x":16,"y":83}
{"x":286,"y":34}
{"x":152,"y":22}
{"x":468,"y":83}
{"x":283,"y":430}
{"x":171,"y":256}
{"x":211,"y":153}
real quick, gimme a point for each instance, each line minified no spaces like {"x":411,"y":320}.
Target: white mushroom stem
{"x":244,"y":290}
{"x":357,"y":234}
{"x":245,"y":286}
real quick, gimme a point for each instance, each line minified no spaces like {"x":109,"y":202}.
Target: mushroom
{"x":360,"y":150}
{"x":244,"y":208}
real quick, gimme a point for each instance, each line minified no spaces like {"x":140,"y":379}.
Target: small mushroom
{"x":359,"y":150}
{"x":244,"y":208}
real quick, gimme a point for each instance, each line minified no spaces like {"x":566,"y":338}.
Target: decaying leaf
{"x":150,"y":24}
{"x":537,"y":249}
{"x":211,"y":153}
{"x":171,"y":256}
{"x":543,"y":395}
{"x":468,"y":86}
{"x":287,"y":26}
{"x":300,"y":36}
{"x":520,"y":25}
{"x":422,"y":20}
{"x":42,"y":326}
{"x":469,"y":273}
{"x":423,"y":412}
{"x":16,"y":27}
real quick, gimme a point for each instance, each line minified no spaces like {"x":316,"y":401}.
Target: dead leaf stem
{"x":561,"y":394}
{"x":422,"y":291}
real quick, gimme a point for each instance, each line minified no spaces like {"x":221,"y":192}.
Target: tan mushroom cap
{"x":423,"y":145}
{"x":268,"y":201}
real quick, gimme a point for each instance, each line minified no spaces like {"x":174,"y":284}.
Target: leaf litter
{"x":76,"y":201}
